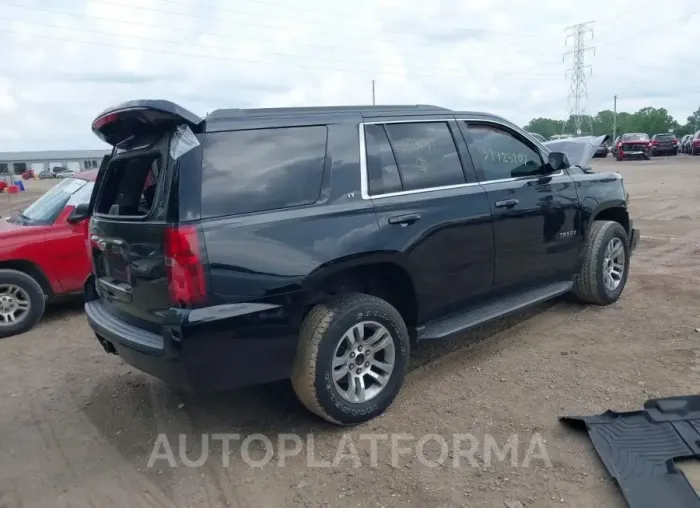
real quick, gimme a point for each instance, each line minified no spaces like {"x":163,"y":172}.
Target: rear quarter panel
{"x":256,"y":256}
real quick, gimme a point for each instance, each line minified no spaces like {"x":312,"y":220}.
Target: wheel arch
{"x":31,"y":269}
{"x":386,"y":275}
{"x":615,"y":211}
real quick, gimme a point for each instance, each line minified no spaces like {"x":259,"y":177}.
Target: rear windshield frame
{"x":634,"y":136}
{"x":157,"y":150}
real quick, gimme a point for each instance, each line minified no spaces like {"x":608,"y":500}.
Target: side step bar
{"x":475,"y":316}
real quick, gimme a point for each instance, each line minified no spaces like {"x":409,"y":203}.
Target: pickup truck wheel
{"x":351,"y":358}
{"x":22,"y":302}
{"x":603,"y":275}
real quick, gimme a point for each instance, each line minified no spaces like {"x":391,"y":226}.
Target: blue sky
{"x":66,"y":60}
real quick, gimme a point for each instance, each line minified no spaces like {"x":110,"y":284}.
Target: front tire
{"x":603,"y":274}
{"x":22,"y":302}
{"x":351,"y":358}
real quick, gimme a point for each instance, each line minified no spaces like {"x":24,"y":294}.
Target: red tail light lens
{"x":183,"y":266}
{"x":654,"y":143}
{"x":104,"y":120}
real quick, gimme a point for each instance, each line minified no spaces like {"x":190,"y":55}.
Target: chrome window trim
{"x":364,"y":177}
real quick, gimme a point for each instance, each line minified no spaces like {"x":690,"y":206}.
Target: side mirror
{"x":557,"y":161}
{"x":80,"y":212}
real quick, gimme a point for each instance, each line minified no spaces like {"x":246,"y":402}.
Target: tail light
{"x":618,"y":145}
{"x":183,"y":266}
{"x":90,"y":243}
{"x":696,"y":142}
{"x":654,"y":143}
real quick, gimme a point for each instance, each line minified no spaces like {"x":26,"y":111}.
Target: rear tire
{"x":19,"y":290}
{"x":320,"y":359}
{"x":593,"y":282}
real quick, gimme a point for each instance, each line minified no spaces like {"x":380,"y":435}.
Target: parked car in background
{"x":46,"y":174}
{"x":665,"y":143}
{"x":602,"y":151}
{"x":685,"y":142}
{"x":68,"y":173}
{"x":538,"y":137}
{"x":615,"y":145}
{"x":319,"y":244}
{"x":694,"y":144}
{"x":43,"y":253}
{"x":633,"y":145}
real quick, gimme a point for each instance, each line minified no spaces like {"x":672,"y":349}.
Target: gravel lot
{"x":77,"y":426}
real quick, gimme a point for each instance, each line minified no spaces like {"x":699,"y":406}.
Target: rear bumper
{"x":211,"y":355}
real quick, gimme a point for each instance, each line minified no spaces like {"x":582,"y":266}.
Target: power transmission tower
{"x":577,"y":107}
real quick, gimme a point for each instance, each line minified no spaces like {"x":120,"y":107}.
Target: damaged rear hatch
{"x":140,"y":252}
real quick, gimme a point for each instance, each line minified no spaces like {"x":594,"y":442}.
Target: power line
{"x":649,"y":29}
{"x":276,"y":53}
{"x":578,"y":92}
{"x":229,"y":35}
{"x":441,"y":76}
{"x":344,"y":15}
{"x":218,"y":19}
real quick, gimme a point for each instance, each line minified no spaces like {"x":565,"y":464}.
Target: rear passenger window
{"x":264,"y":169}
{"x":382,"y":172}
{"x":426,"y":154}
{"x":501,"y":154}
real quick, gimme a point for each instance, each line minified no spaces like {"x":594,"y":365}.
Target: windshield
{"x":47,"y":208}
{"x":635,"y":137}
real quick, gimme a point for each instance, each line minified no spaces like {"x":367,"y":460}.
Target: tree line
{"x":648,"y":120}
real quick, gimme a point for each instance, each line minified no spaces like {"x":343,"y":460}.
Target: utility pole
{"x":578,"y":92}
{"x":373,"y":101}
{"x":614,"y":118}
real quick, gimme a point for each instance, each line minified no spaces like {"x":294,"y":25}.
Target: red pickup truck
{"x":43,"y":254}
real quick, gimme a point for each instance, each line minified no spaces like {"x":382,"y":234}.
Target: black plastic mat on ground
{"x":640,"y":450}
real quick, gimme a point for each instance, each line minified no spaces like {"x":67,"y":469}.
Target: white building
{"x":19,"y":162}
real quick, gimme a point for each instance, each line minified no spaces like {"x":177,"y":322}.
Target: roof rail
{"x":307,"y":110}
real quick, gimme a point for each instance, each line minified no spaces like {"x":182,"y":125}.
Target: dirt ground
{"x":77,"y":426}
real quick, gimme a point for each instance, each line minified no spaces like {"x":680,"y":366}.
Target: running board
{"x":475,"y":316}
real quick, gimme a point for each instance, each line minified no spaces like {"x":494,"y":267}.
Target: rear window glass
{"x":129,"y":186}
{"x":635,"y":137}
{"x":264,"y":169}
{"x":665,"y":137}
{"x":382,"y":171}
{"x":426,"y":155}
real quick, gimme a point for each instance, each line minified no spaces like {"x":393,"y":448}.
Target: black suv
{"x":320,"y":244}
{"x":664,"y":144}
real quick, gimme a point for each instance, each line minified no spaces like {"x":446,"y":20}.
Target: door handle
{"x":405,"y":220}
{"x":506,"y":203}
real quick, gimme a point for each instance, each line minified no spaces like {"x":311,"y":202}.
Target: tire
{"x":32,"y":293}
{"x":322,"y":334}
{"x":589,"y":283}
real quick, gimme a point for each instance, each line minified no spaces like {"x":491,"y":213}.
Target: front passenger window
{"x":500,"y":154}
